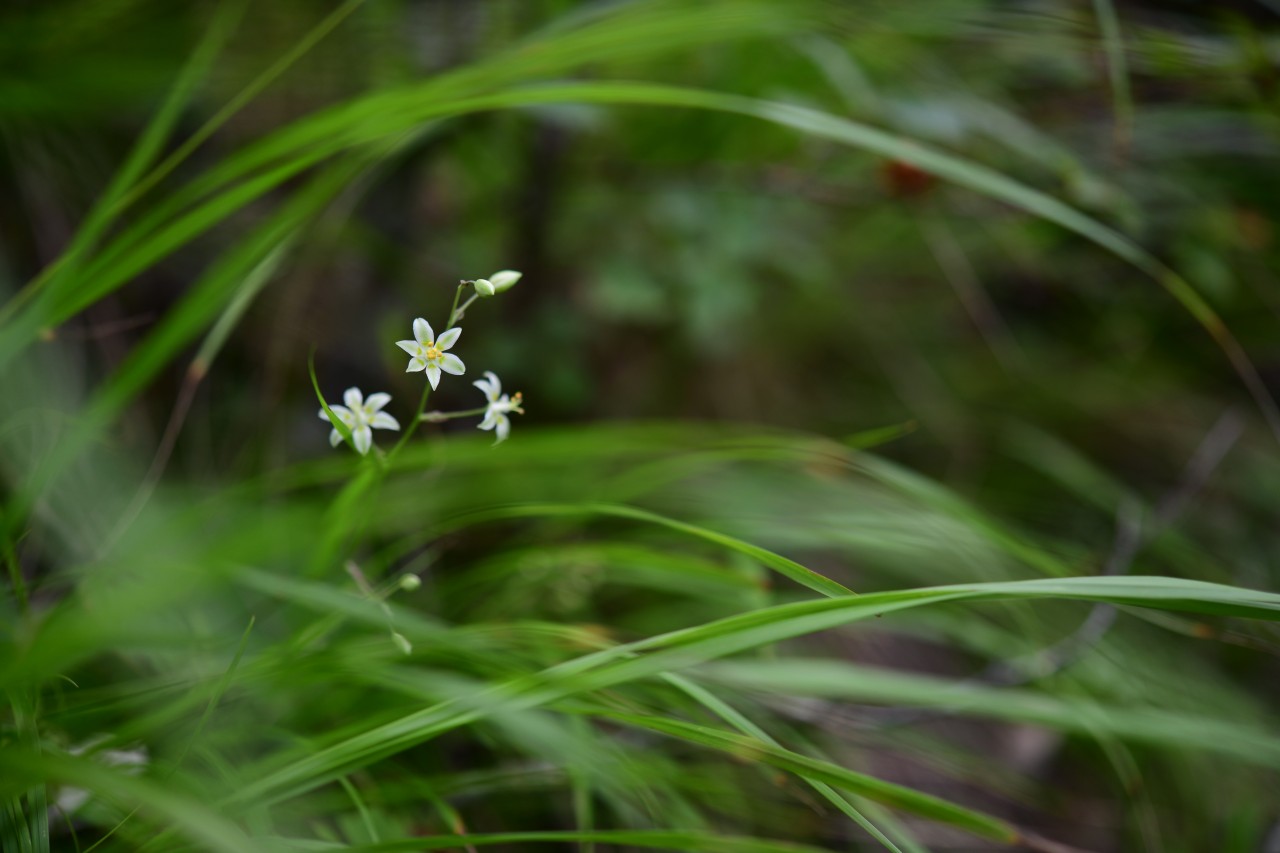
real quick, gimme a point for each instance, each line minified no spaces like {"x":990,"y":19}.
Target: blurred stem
{"x":120,"y":196}
{"x":247,"y":94}
{"x":15,"y":574}
{"x":219,"y":690}
{"x":365,"y":817}
{"x":1117,"y":74}
{"x":583,"y":803}
{"x":960,"y":274}
{"x":452,"y":820}
{"x":437,"y":417}
{"x":140,"y":157}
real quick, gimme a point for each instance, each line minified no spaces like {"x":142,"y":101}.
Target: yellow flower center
{"x":431,"y":352}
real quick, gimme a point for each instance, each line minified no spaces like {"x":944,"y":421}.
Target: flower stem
{"x":457,"y":314}
{"x":437,"y":417}
{"x":453,"y":311}
{"x":413,"y":425}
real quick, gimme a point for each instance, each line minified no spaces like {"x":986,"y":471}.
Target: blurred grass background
{"x":917,"y":294}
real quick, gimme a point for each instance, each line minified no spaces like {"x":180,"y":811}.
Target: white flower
{"x":360,"y":415}
{"x":131,"y":761}
{"x":495,"y":414}
{"x":427,"y":352}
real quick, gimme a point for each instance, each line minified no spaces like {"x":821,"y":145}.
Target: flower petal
{"x":490,"y":420}
{"x":382,"y":420}
{"x":422,"y":331}
{"x":497,"y":384}
{"x":450,"y":363}
{"x":335,"y":438}
{"x":374,"y":402}
{"x":353,"y":398}
{"x":415,"y":364}
{"x":343,"y":413}
{"x":449,"y":338}
{"x":363,"y":437}
{"x":433,"y":375}
{"x":504,"y":428}
{"x":411,"y":347}
{"x":483,"y":385}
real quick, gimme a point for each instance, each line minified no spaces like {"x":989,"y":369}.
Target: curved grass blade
{"x":190,"y":818}
{"x":739,"y":721}
{"x":659,"y":839}
{"x":685,"y":648}
{"x":753,"y":749}
{"x":376,"y":117}
{"x":788,"y":568}
{"x":1117,"y":73}
{"x":141,"y":156}
{"x":1241,"y":739}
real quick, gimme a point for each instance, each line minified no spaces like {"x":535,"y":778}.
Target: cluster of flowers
{"x":430,"y":355}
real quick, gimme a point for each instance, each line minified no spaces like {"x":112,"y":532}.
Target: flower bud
{"x":402,"y":643}
{"x":484,"y":287}
{"x":504,"y":280}
{"x":410,"y":582}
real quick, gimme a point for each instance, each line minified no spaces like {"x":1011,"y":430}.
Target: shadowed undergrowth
{"x":666,"y":633}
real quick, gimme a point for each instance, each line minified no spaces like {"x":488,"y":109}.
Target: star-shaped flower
{"x":495,"y":413}
{"x":427,"y":352}
{"x":361,"y":416}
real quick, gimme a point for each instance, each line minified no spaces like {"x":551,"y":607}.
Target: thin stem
{"x":15,"y":575}
{"x":437,"y":417}
{"x":237,"y":103}
{"x":457,"y":315}
{"x":413,"y":425}
{"x":453,"y":311}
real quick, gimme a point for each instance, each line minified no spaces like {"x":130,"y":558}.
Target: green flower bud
{"x":484,"y":287}
{"x":410,"y":582}
{"x":402,"y":643}
{"x":504,"y":279}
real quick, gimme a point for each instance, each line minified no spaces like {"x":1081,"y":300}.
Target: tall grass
{"x":654,"y":635}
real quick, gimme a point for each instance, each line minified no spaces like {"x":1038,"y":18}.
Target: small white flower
{"x":427,"y":352}
{"x":131,"y":761}
{"x":495,"y":414}
{"x":361,"y":417}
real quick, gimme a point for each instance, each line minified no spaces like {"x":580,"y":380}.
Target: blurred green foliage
{"x":968,"y":307}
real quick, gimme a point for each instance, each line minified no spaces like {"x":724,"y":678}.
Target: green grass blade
{"x":192,"y":819}
{"x":733,"y":717}
{"x":788,"y":568}
{"x":753,"y":749}
{"x":685,"y":648}
{"x":660,"y":839}
{"x":144,"y":152}
{"x":1117,"y":73}
{"x":1243,"y":740}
